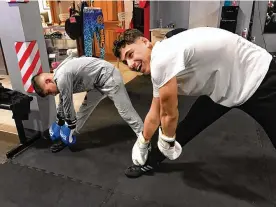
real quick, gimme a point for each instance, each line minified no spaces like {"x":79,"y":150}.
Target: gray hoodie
{"x":75,"y":75}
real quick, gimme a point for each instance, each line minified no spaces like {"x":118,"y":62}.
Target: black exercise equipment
{"x":229,"y":15}
{"x":19,"y":104}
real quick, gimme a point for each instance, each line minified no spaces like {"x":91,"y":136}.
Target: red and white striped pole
{"x":29,"y":62}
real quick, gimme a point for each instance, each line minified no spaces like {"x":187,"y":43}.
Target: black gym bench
{"x":20,"y":113}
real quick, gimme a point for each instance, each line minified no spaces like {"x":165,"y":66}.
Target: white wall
{"x":204,"y":13}
{"x":176,"y":12}
{"x":185,"y":14}
{"x":244,"y":15}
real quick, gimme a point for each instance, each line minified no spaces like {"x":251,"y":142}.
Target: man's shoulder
{"x":162,"y":56}
{"x":62,"y":73}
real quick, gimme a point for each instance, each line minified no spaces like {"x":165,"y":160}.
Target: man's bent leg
{"x":202,"y":114}
{"x":266,"y":118}
{"x":262,"y":105}
{"x":92,"y":99}
{"x":115,"y":89}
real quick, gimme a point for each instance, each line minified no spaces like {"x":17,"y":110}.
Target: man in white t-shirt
{"x":225,"y":70}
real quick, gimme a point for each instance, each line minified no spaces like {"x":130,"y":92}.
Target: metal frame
{"x":25,"y":141}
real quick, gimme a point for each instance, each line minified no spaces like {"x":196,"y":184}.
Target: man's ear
{"x":149,"y":44}
{"x":48,"y":80}
{"x":145,"y":41}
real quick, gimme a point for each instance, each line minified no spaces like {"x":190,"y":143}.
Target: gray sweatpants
{"x":114,"y":89}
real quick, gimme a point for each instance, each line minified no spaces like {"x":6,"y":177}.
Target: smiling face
{"x":137,"y":55}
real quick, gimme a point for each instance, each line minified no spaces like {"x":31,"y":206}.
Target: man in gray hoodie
{"x":95,"y":76}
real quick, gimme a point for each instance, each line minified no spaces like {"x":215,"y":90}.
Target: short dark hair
{"x":126,"y":38}
{"x":37,"y":86}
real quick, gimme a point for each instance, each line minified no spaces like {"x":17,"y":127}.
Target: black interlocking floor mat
{"x":21,"y":186}
{"x":231,"y":163}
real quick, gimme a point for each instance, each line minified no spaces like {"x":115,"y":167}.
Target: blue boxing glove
{"x":54,"y":130}
{"x":66,"y":134}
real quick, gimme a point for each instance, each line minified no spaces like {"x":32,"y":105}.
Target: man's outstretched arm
{"x":169,"y":119}
{"x":169,"y":107}
{"x":152,"y":120}
{"x":151,"y":123}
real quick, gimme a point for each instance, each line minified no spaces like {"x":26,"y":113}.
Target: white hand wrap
{"x":168,"y":146}
{"x":140,"y":150}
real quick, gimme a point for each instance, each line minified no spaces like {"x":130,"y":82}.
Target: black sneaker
{"x":136,"y":171}
{"x":57,"y":146}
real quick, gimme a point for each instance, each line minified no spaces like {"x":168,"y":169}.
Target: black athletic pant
{"x":261,"y":106}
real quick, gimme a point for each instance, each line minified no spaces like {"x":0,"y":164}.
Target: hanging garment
{"x":73,"y":27}
{"x":93,"y":23}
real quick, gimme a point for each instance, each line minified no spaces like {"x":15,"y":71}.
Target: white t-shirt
{"x":210,"y":61}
